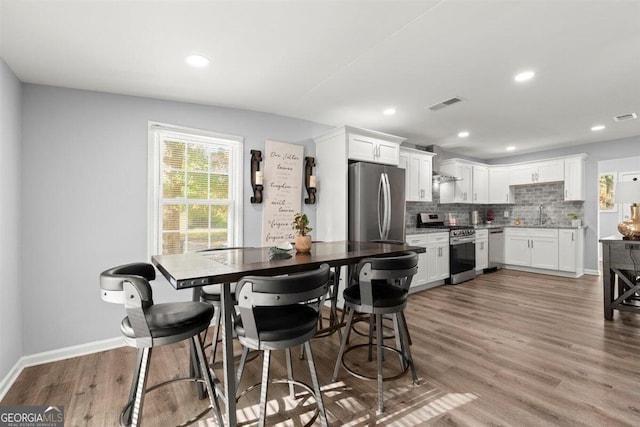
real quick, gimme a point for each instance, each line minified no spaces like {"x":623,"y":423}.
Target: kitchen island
{"x":621,"y":260}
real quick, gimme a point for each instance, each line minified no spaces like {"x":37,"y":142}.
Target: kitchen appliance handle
{"x":462,"y":240}
{"x":387,"y":205}
{"x":380,"y":190}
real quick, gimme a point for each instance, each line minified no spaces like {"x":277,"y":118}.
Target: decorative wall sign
{"x":282,"y":191}
{"x":607,"y":185}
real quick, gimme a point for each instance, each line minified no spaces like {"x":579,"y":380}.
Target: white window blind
{"x":195,"y":191}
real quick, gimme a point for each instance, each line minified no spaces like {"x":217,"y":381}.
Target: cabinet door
{"x":421,"y":277}
{"x":517,"y":249}
{"x":480,"y":184}
{"x":425,"y":164}
{"x":544,"y":252}
{"x":362,"y":148}
{"x":443,"y":262}
{"x":465,"y":186}
{"x":411,"y":177}
{"x":521,"y":174}
{"x":574,"y":179}
{"x":567,"y":250}
{"x":433,"y":254}
{"x":550,"y":171}
{"x":387,"y":152}
{"x":482,"y":254}
{"x":499,"y":189}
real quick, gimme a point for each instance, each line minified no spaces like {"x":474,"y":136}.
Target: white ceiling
{"x":343,"y":62}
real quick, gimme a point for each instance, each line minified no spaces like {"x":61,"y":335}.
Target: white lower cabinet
{"x":437,"y":256}
{"x":433,"y":265}
{"x":482,"y":250}
{"x":531,"y":247}
{"x":421,"y":277}
{"x":571,"y":251}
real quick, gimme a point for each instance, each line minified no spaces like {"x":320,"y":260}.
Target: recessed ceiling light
{"x":597,"y":128}
{"x":389,"y":111}
{"x":524,"y":76}
{"x":463,"y":134}
{"x":511,"y":148}
{"x":197,"y":61}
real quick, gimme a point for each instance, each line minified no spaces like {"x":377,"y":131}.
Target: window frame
{"x":157,"y":132}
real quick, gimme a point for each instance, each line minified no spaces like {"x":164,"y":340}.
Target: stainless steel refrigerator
{"x":376,"y":202}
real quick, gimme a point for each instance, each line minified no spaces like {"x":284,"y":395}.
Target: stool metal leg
{"x":287,"y":355}
{"x":264,"y":386}
{"x":208,"y":380}
{"x":396,"y":332}
{"x":379,"y":349}
{"x":216,"y":336}
{"x":126,"y":417}
{"x":243,"y":361}
{"x":343,"y":343}
{"x":141,"y":385}
{"x":406,"y":346}
{"x":371,"y":326}
{"x":316,"y":385}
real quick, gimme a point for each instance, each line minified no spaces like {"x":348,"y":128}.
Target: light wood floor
{"x":507,"y":348}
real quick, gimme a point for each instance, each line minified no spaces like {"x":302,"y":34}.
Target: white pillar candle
{"x":259,"y":177}
{"x":312,"y":181}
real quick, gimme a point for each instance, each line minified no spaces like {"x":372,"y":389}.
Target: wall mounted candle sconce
{"x":310,"y":180}
{"x":256,"y":176}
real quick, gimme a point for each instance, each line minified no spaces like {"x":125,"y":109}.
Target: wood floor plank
{"x":506,"y":349}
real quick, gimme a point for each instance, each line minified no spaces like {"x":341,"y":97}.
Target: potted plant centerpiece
{"x":302,"y":240}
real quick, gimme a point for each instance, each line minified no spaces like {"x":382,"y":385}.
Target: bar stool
{"x":379,"y":287}
{"x":277,"y":313}
{"x":149,"y":325}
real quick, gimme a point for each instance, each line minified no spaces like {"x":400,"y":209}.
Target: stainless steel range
{"x":462,"y":246}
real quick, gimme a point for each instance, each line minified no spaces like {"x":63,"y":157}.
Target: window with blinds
{"x":196,"y":195}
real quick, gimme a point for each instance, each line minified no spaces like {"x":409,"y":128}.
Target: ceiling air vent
{"x":624,"y":117}
{"x":446,"y":103}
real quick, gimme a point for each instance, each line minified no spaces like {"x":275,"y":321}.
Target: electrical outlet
{"x":506,"y":214}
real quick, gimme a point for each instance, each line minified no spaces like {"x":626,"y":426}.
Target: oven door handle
{"x":462,"y":240}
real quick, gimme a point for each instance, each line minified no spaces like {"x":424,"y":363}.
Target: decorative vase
{"x":302,"y":243}
{"x":630,"y":228}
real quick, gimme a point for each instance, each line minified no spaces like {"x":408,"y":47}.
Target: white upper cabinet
{"x":574,"y":178}
{"x":460,"y":191}
{"x":373,"y":149}
{"x":480,"y":184}
{"x":537,"y":172}
{"x":418,"y":166}
{"x":499,"y":189}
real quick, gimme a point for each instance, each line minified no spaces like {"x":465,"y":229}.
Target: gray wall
{"x":609,"y":221}
{"x":10,"y":288}
{"x":84,"y":170}
{"x":606,"y":150}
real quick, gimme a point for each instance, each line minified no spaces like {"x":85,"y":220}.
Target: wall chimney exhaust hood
{"x":437,"y":175}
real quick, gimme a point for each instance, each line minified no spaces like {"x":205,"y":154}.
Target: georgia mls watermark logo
{"x":32,"y":416}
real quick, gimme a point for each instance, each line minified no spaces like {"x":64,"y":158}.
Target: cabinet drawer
{"x":543,"y":232}
{"x":417,"y":239}
{"x":482,"y":234}
{"x":438,"y":238}
{"x":517,"y":231}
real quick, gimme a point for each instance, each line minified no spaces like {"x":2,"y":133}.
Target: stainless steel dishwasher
{"x":496,"y":247}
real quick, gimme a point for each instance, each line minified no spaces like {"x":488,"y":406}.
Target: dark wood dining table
{"x":197,"y":269}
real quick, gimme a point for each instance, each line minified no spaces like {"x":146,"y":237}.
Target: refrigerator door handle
{"x":387,"y":207}
{"x":380,"y":195}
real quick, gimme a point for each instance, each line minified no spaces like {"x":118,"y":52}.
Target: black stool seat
{"x":281,"y":322}
{"x":383,"y":296}
{"x":173,"y":319}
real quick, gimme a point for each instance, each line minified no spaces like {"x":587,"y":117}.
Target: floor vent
{"x":624,"y":117}
{"x":446,"y":103}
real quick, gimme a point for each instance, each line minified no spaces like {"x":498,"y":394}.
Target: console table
{"x":621,"y":260}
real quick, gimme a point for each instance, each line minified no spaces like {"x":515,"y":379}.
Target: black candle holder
{"x":309,"y":163}
{"x":256,"y":158}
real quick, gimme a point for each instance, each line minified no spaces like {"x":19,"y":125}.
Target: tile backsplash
{"x":528,"y":199}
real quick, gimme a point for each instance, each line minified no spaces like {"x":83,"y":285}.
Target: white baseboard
{"x":55,"y":355}
{"x":591,"y":272}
